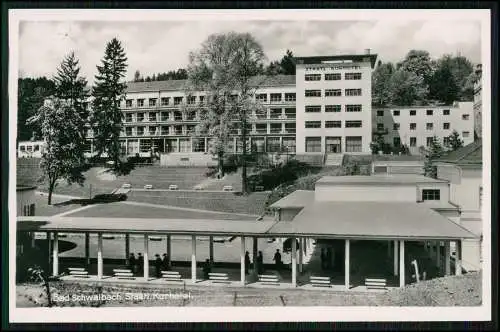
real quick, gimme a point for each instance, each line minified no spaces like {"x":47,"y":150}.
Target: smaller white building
{"x":414,"y":126}
{"x":463,"y":169}
{"x":31,"y":149}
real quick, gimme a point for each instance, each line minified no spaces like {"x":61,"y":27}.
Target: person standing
{"x":277,"y":259}
{"x":329,"y":258}
{"x":132,"y":262}
{"x":260,"y":263}
{"x":247,"y":262}
{"x":206,"y":269}
{"x":323,"y":258}
{"x":158,"y":264}
{"x":140,"y":263}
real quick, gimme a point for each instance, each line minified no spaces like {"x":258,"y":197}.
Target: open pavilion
{"x":393,"y":223}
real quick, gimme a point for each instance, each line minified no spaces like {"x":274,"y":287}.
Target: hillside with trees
{"x":31,"y":93}
{"x":418,"y":80}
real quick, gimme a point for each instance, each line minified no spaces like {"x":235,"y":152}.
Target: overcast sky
{"x":153,"y":47}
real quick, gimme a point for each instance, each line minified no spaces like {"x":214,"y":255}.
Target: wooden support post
{"x":401,"y":263}
{"x":447,"y":259}
{"x":242,"y":261}
{"x":169,"y":247}
{"x":347,"y":264}
{"x":146,"y":257}
{"x":458,"y":258}
{"x":294,"y":262}
{"x":395,"y":257}
{"x":301,"y":253}
{"x":99,"y":256}
{"x":87,"y":248}
{"x":193,"y":259}
{"x":55,"y":255}
{"x":127,"y":248}
{"x":211,"y":248}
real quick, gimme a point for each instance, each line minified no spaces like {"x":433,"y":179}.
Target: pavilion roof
{"x":361,"y":220}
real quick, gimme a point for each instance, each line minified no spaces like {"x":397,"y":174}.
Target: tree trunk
{"x":221,"y":163}
{"x":51,"y":189}
{"x":244,"y":158}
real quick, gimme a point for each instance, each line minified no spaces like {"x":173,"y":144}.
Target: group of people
{"x":136,"y":264}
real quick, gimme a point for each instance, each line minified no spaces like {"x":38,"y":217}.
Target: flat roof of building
{"x":420,"y":107}
{"x":383,"y":220}
{"x":467,"y":155}
{"x":320,"y":59}
{"x":379,"y":179}
{"x":206,"y":226}
{"x":357,"y":220}
{"x":297,"y":199}
{"x":180,"y":85}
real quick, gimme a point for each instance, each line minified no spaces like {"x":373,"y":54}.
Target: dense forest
{"x":31,"y":94}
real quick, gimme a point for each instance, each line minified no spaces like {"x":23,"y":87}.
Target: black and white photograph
{"x":268,"y":165}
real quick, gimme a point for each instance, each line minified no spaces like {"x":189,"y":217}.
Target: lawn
{"x":58,"y":205}
{"x":214,"y":201}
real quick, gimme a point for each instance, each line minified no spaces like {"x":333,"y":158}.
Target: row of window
{"x":414,"y":112}
{"x":352,"y":143}
{"x":191,"y":100}
{"x":396,"y":141}
{"x":259,"y":128}
{"x":333,"y":108}
{"x":333,"y":93}
{"x":333,"y":124}
{"x":255,"y":144}
{"x":413,"y":126}
{"x":332,"y":77}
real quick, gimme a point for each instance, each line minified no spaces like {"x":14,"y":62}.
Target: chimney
{"x":367,"y":51}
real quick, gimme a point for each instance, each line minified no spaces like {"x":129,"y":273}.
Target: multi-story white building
{"x":324,"y":109}
{"x":334,"y":103}
{"x":159,"y":117}
{"x":415,"y":126}
{"x":478,"y":102}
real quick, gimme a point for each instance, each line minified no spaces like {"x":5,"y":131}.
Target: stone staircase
{"x":334,"y":159}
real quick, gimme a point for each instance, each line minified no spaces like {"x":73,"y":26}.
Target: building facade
{"x":478,"y":106}
{"x":463,"y":169}
{"x":325,"y":109}
{"x":414,"y":126}
{"x":334,"y":103}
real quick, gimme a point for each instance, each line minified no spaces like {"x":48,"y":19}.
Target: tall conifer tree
{"x":108,"y":92}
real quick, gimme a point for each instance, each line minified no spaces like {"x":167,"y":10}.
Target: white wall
{"x":24,"y":198}
{"x":287,"y":214}
{"x":371,"y":193}
{"x":471,"y":254}
{"x":443,"y":187}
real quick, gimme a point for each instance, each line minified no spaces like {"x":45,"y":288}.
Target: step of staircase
{"x":334,"y":159}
